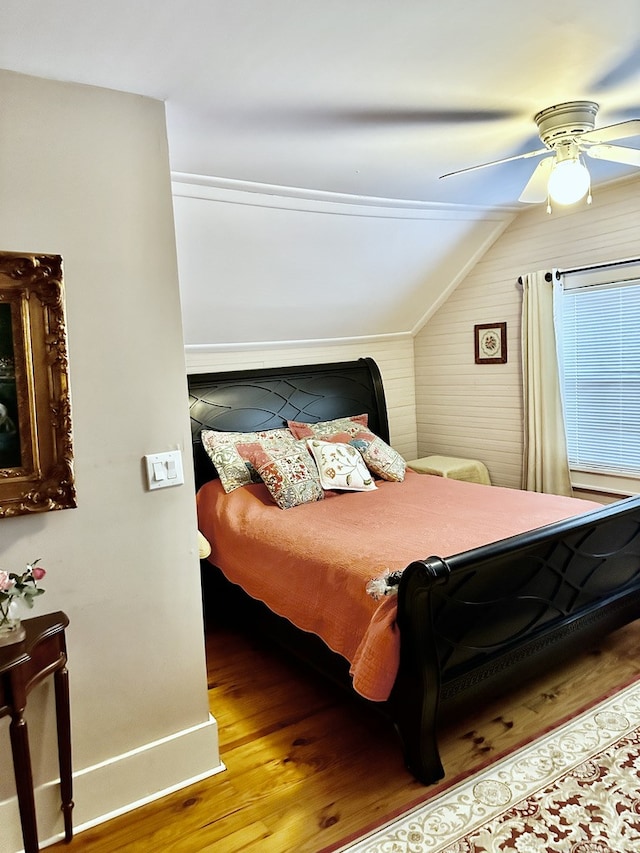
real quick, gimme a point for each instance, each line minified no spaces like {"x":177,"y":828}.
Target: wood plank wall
{"x":464,"y":409}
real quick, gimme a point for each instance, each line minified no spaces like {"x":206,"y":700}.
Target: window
{"x":598,"y":330}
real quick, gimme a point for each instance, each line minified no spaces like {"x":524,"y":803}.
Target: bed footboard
{"x":482,"y":620}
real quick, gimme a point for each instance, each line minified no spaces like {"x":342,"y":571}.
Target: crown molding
{"x":296,"y":344}
{"x":300,"y":198}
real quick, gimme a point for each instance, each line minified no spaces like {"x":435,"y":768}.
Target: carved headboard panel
{"x":266,"y":398}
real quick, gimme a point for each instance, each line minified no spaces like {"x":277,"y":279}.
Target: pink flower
{"x":38,"y":573}
{"x":5,"y":581}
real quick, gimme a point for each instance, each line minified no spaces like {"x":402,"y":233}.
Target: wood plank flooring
{"x":308,"y":765}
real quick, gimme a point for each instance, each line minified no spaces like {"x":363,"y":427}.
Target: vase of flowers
{"x":17,"y":589}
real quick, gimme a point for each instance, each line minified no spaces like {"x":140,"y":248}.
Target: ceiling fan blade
{"x":419,"y":115}
{"x":337,"y":117}
{"x":622,"y":72}
{"x":536,"y":188}
{"x":622,"y":130}
{"x":615,"y":153}
{"x":498,"y":162}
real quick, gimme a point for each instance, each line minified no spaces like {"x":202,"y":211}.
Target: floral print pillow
{"x":291,"y":477}
{"x":381,"y":459}
{"x":340,"y":466}
{"x":326,"y":429}
{"x":235,"y":471}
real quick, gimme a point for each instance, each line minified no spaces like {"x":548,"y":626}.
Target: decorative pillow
{"x":340,"y":466}
{"x":233,"y":470}
{"x":380,"y":457}
{"x":291,"y":478}
{"x":325,"y":429}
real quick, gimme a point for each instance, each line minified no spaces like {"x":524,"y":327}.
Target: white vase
{"x":11,"y":628}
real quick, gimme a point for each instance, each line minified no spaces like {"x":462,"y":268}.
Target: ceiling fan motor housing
{"x":568,"y":132}
{"x":561,"y":122}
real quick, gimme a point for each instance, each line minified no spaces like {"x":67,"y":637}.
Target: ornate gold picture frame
{"x":36,"y":447}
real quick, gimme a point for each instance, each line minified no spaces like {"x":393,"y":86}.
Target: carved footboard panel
{"x":492,"y":615}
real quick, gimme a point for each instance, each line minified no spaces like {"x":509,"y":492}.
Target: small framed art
{"x":490,"y":342}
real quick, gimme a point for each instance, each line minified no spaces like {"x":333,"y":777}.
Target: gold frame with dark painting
{"x":36,"y":446}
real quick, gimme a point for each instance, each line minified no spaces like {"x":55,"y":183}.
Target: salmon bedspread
{"x":312,"y":563}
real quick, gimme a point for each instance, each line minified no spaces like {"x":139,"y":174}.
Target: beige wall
{"x":474,"y":410}
{"x":84,"y":173}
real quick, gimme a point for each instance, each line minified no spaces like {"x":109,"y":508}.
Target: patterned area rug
{"x":574,"y":790}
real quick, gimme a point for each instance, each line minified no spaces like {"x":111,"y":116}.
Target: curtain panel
{"x":545,"y":467}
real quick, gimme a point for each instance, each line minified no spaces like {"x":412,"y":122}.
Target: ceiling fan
{"x":567,"y":131}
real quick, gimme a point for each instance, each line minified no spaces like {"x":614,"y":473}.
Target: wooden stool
{"x":453,"y":467}
{"x":23,"y":665}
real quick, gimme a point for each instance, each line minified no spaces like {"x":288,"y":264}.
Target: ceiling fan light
{"x":569,"y":181}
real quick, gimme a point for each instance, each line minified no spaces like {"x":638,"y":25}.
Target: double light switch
{"x":164,"y":469}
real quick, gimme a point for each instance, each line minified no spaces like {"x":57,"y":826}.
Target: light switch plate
{"x":164,"y":469}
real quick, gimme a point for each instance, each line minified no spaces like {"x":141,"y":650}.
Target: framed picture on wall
{"x":36,"y":448}
{"x":490,"y":343}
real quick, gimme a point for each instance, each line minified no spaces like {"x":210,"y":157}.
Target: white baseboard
{"x":118,"y":785}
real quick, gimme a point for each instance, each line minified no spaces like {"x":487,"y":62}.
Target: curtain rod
{"x":599,"y":266}
{"x":547,"y":277}
{"x":602,"y":266}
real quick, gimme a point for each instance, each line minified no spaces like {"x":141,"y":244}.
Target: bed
{"x":507,"y":583}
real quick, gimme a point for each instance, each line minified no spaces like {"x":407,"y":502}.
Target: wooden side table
{"x":41,"y":653}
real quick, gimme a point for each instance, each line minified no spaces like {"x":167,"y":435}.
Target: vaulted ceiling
{"x":374,"y":98}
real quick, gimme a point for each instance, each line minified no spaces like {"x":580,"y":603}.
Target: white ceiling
{"x":368,"y":97}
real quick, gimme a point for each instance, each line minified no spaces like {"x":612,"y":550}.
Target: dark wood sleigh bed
{"x":471,"y":625}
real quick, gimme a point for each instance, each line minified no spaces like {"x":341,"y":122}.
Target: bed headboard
{"x":266,"y":398}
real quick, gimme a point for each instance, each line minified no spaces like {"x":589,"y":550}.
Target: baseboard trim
{"x":119,"y":785}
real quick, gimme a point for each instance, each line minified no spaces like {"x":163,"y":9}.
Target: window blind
{"x":598,"y":330}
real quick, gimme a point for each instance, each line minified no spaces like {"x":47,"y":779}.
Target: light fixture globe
{"x":569,"y":181}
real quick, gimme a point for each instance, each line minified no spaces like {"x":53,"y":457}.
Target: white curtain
{"x":545,"y":466}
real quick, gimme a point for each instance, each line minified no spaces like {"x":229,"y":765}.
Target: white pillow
{"x":340,"y":466}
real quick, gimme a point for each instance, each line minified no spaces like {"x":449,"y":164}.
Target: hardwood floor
{"x":307,"y":765}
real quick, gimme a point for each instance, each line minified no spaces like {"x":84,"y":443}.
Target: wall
{"x":84,"y":173}
{"x":268,"y":263}
{"x":474,"y":410}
